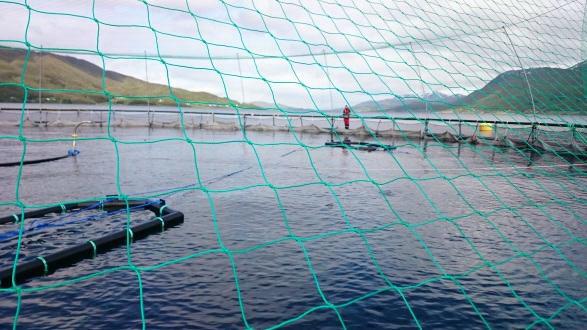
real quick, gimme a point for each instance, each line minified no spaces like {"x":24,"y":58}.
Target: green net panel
{"x":492,"y":79}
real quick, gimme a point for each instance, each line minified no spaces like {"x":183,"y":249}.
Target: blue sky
{"x":305,"y":53}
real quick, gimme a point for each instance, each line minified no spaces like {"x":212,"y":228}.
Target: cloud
{"x":354,"y":50}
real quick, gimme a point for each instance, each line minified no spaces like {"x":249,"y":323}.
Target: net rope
{"x":424,"y":46}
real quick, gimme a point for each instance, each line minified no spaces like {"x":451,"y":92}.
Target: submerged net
{"x":495,"y":77}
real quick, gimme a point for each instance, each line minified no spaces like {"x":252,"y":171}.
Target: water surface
{"x":432,"y":235}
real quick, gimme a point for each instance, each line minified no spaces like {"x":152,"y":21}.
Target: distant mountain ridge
{"x":432,"y":102}
{"x":554,"y":90}
{"x":84,"y":79}
{"x":269,"y":105}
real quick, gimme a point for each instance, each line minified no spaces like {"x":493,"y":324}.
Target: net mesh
{"x":456,"y":73}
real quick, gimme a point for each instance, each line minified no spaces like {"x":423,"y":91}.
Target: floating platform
{"x":366,"y":146}
{"x":165,"y":218}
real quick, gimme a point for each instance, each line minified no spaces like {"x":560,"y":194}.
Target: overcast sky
{"x":305,"y":52}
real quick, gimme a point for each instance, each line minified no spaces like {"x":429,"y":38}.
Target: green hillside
{"x":72,"y":80}
{"x":63,"y":74}
{"x":555,"y":91}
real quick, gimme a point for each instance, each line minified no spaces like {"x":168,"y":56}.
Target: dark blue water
{"x":450,"y":236}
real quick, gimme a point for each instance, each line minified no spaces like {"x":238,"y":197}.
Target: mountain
{"x":71,"y":80}
{"x":554,"y":90}
{"x":409,"y":103}
{"x":580,"y":66}
{"x":272,"y":106}
{"x":67,"y":73}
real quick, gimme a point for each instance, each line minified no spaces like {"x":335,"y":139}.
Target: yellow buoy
{"x":485,"y":127}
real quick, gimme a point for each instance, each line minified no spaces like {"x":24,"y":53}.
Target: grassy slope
{"x":62,"y":73}
{"x":554,"y":90}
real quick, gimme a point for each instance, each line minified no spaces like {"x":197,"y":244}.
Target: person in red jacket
{"x":346,"y":115}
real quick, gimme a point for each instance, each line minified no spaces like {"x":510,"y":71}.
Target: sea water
{"x":280,"y":230}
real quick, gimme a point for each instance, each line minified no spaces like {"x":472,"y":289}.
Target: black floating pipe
{"x":107,"y":204}
{"x":39,"y":266}
{"x":31,"y":214}
{"x":35,"y":161}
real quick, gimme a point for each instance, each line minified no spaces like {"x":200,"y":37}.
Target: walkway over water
{"x":544,"y":120}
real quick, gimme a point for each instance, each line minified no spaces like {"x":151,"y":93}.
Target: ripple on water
{"x":501,"y":250}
